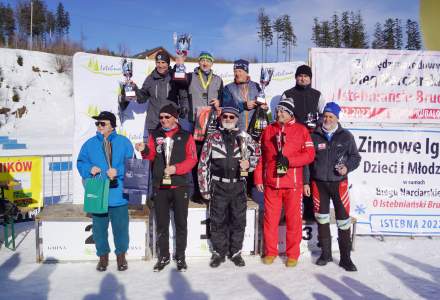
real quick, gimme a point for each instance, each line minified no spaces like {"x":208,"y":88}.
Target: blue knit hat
{"x":333,"y":108}
{"x":242,"y":65}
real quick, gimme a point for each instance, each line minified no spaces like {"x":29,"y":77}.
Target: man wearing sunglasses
{"x":221,"y":182}
{"x":105,"y":154}
{"x":286,"y":148}
{"x":174,"y":196}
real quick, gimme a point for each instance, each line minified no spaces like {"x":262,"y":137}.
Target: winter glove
{"x":282,"y":164}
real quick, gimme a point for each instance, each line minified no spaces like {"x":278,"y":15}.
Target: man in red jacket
{"x":172,"y":194}
{"x":286,"y":147}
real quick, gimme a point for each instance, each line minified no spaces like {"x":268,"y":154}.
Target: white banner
{"x":198,"y":243}
{"x":96,"y":88}
{"x":74,"y":241}
{"x":372,"y":85}
{"x":396,"y":188}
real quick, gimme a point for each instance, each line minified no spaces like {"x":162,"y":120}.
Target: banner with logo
{"x":23,"y":177}
{"x":96,"y":81}
{"x":396,"y":188}
{"x":371,"y":85}
{"x":78,"y":244}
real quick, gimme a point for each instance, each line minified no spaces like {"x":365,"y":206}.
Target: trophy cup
{"x":182,"y":44}
{"x":312,"y":120}
{"x":280,"y":139}
{"x":244,"y":152}
{"x":340,"y":162}
{"x":167,"y":149}
{"x":127,"y":71}
{"x":265,"y":78}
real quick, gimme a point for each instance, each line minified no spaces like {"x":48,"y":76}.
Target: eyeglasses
{"x":164,"y":117}
{"x":100,"y":123}
{"x":230,"y":117}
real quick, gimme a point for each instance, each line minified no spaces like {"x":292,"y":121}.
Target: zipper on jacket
{"x":156,"y":92}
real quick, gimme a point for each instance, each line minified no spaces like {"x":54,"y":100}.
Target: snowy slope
{"x":47,"y":95}
{"x":397,"y":268}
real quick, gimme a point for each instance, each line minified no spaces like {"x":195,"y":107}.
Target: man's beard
{"x":228,"y":126}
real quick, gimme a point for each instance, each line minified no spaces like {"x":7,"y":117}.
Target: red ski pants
{"x":274,"y":200}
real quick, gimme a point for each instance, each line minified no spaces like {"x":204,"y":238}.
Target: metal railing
{"x":57,"y":179}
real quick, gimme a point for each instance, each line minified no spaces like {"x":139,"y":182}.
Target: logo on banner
{"x":96,"y":67}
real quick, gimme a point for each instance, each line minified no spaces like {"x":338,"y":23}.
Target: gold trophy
{"x":167,"y":149}
{"x":244,"y":152}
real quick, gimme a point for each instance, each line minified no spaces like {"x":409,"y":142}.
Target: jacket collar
{"x":112,"y":135}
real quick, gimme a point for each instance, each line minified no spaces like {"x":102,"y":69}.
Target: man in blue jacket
{"x":105,"y":154}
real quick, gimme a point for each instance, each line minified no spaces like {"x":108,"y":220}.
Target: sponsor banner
{"x":198,"y":243}
{"x":23,"y":175}
{"x":371,"y":85}
{"x":395,"y":189}
{"x":97,"y":80}
{"x":74,"y":240}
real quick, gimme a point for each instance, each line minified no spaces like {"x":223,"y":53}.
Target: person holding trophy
{"x":159,"y":89}
{"x":204,"y":98}
{"x":308,"y":102}
{"x":286,"y":148}
{"x":104,"y":155}
{"x":336,"y":156}
{"x":173,"y":154}
{"x":243,"y":94}
{"x":227,"y":156}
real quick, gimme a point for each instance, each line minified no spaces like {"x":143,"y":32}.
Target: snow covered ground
{"x":396,"y":268}
{"x":47,"y":126}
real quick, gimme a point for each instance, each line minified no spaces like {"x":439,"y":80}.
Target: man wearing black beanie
{"x":307,"y":102}
{"x":158,"y":89}
{"x":305,"y":98}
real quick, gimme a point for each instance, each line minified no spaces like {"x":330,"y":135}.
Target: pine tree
{"x":268,"y":36}
{"x":316,"y":33}
{"x":414,"y":41}
{"x":62,"y":21}
{"x":50,"y":24}
{"x":262,"y":17}
{"x":335,"y":31}
{"x":278,"y":29}
{"x":358,"y":34}
{"x":388,"y":34}
{"x":378,"y":37}
{"x":326,"y":35}
{"x":288,"y":36}
{"x":398,"y":35}
{"x":346,"y":29}
{"x":9,"y":24}
{"x":2,"y":18}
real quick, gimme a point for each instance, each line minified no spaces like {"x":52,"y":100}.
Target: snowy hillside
{"x":32,"y":86}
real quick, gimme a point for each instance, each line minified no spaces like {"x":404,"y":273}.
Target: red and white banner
{"x":371,"y":85}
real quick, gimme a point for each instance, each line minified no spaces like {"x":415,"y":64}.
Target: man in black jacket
{"x":305,"y":98}
{"x":174,"y":194}
{"x":336,"y":156}
{"x":159,"y":89}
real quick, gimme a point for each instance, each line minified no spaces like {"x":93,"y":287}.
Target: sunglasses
{"x":164,"y":117}
{"x":100,"y":123}
{"x":230,"y":117}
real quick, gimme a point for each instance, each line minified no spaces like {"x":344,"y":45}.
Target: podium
{"x":63,"y":232}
